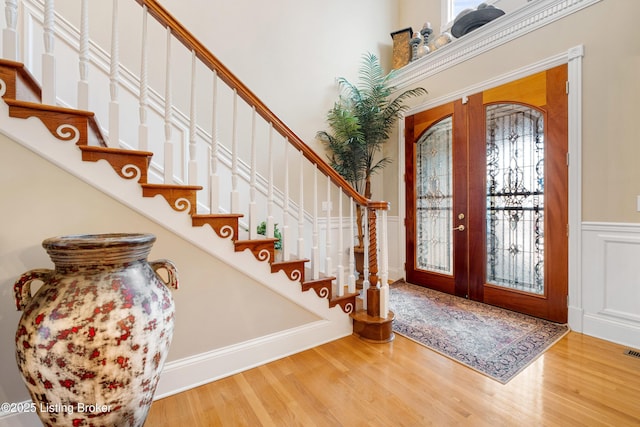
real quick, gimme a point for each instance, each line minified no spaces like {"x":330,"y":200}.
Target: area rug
{"x":496,"y":342}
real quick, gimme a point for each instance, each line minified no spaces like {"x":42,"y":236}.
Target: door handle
{"x":459,"y":228}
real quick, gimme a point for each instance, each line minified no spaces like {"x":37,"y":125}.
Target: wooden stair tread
{"x":172,"y":187}
{"x":219,"y":215}
{"x":123,"y":151}
{"x":256,"y":241}
{"x":50,"y":108}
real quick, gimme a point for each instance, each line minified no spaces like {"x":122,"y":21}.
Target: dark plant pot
{"x":358,"y":253}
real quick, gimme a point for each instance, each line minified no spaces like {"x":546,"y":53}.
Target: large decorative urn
{"x":93,"y":339}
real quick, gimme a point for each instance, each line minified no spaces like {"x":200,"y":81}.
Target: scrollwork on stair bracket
{"x":181,"y":204}
{"x":3,"y":88}
{"x":67,"y":132}
{"x":346,"y":306}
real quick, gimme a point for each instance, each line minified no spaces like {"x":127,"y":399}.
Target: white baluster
{"x":9,"y":34}
{"x":114,"y":76}
{"x":315,"y":249}
{"x":143,"y":130}
{"x":235,"y":194}
{"x":301,"y":208}
{"x":269,"y":231}
{"x":329,"y":266}
{"x":168,"y":144}
{"x":253,"y":206}
{"x":83,"y":83}
{"x":352,"y":259}
{"x":285,"y":208}
{"x":340,"y":272}
{"x":48,"y":59}
{"x":193,"y":148}
{"x":384,"y":265}
{"x":214,"y":179}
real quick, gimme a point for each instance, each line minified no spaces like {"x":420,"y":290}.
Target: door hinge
{"x":567,"y":300}
{"x":567,"y":230}
{"x":567,"y":87}
{"x":568,"y":159}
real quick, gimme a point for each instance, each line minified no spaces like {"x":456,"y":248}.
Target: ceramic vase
{"x":92,"y":340}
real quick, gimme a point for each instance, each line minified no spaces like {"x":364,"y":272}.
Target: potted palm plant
{"x":360,"y":122}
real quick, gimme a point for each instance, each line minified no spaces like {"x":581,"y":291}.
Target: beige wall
{"x":216,"y":306}
{"x":611,"y":88}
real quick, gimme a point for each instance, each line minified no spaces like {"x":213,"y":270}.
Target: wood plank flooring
{"x":580,"y":381}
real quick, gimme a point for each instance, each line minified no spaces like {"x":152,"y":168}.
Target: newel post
{"x":375,"y":323}
{"x":373,"y":293}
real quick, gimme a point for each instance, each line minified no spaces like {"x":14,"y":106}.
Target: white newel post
{"x":48,"y":59}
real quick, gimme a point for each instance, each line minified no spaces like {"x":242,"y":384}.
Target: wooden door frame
{"x":458,"y":284}
{"x":573,"y":57}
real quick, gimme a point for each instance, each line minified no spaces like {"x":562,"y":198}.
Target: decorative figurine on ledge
{"x":401,"y":47}
{"x":470,"y":19}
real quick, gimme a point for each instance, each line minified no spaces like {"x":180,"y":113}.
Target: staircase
{"x":253,"y":193}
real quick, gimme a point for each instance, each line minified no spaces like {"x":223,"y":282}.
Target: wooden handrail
{"x":193,"y":44}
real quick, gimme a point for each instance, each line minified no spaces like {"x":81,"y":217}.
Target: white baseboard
{"x":184,"y":374}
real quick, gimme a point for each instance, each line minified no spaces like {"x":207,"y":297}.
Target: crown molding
{"x":530,"y":17}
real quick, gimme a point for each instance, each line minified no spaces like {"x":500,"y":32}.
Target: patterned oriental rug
{"x":496,"y":342}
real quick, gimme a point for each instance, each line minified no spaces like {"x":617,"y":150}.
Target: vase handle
{"x":172,"y":273}
{"x":22,"y":287}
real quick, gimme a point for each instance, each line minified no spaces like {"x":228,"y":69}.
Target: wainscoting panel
{"x":611,"y":282}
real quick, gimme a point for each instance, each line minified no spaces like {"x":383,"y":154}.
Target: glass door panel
{"x":434,"y":199}
{"x":515,"y":197}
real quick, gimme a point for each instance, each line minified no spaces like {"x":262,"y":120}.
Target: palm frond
{"x":361,"y":121}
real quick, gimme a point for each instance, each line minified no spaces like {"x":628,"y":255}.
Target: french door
{"x":487,"y":189}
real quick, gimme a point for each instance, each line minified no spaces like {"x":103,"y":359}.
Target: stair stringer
{"x":180,"y":375}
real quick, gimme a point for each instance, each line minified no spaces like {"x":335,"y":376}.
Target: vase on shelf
{"x":92,"y":340}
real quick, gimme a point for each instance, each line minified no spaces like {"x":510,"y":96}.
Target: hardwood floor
{"x":580,"y":381}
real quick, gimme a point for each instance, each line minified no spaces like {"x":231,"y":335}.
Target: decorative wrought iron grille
{"x":434,"y":197}
{"x":515,"y":197}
